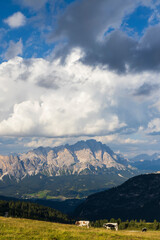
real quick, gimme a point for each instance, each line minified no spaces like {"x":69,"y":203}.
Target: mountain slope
{"x":60,"y":187}
{"x":137,"y":198}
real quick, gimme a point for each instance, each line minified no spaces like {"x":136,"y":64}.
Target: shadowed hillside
{"x":137,"y":198}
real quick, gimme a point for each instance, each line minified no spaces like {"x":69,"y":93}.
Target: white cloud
{"x":41,"y":98}
{"x":21,"y":122}
{"x":14,"y":50}
{"x":52,"y":142}
{"x":154,"y":126}
{"x":115,"y":138}
{"x":16,"y":20}
{"x":131,"y":141}
{"x":58,"y":117}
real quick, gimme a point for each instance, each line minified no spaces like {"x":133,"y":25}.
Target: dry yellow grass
{"x":19,"y":229}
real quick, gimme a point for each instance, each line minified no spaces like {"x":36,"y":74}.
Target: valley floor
{"x":19,"y":229}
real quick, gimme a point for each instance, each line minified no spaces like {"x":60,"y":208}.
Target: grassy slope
{"x":11,"y":228}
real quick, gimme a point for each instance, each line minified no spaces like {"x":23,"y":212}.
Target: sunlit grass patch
{"x":18,"y":229}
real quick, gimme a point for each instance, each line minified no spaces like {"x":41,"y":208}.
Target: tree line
{"x":130,"y":225}
{"x":32,"y":211}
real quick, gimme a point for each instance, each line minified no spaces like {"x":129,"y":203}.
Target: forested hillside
{"x":137,"y":198}
{"x":31,"y":211}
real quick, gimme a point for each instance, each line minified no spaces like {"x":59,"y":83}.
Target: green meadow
{"x":18,"y":229}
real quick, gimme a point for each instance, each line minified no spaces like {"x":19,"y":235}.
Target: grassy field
{"x":12,"y":228}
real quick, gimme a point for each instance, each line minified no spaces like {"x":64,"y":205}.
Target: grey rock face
{"x":84,"y":157}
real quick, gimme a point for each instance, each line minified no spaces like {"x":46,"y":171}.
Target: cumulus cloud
{"x":75,"y":107}
{"x":14,"y":50}
{"x":154,"y":127}
{"x":55,"y":117}
{"x":55,"y":103}
{"x":16,"y":20}
{"x":55,"y":100}
{"x":77,"y":91}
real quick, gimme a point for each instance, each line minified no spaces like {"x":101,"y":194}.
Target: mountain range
{"x":145,"y":157}
{"x":68,"y":170}
{"x":146,"y":163}
{"x":84,"y":157}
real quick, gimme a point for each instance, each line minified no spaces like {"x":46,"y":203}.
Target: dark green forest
{"x":32,"y":211}
{"x":137,"y":198}
{"x":130,"y":225}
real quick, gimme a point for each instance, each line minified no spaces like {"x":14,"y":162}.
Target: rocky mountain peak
{"x":83,"y":157}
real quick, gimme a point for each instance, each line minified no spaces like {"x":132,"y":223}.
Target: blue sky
{"x":35,"y":28}
{"x":80,"y":69}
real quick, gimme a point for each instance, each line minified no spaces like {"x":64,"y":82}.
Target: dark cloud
{"x":85,"y":21}
{"x":115,"y":52}
{"x":146,"y":89}
{"x":122,"y":53}
{"x":84,"y":24}
{"x":147,"y":53}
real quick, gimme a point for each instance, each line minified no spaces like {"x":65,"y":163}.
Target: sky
{"x":80,"y":69}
